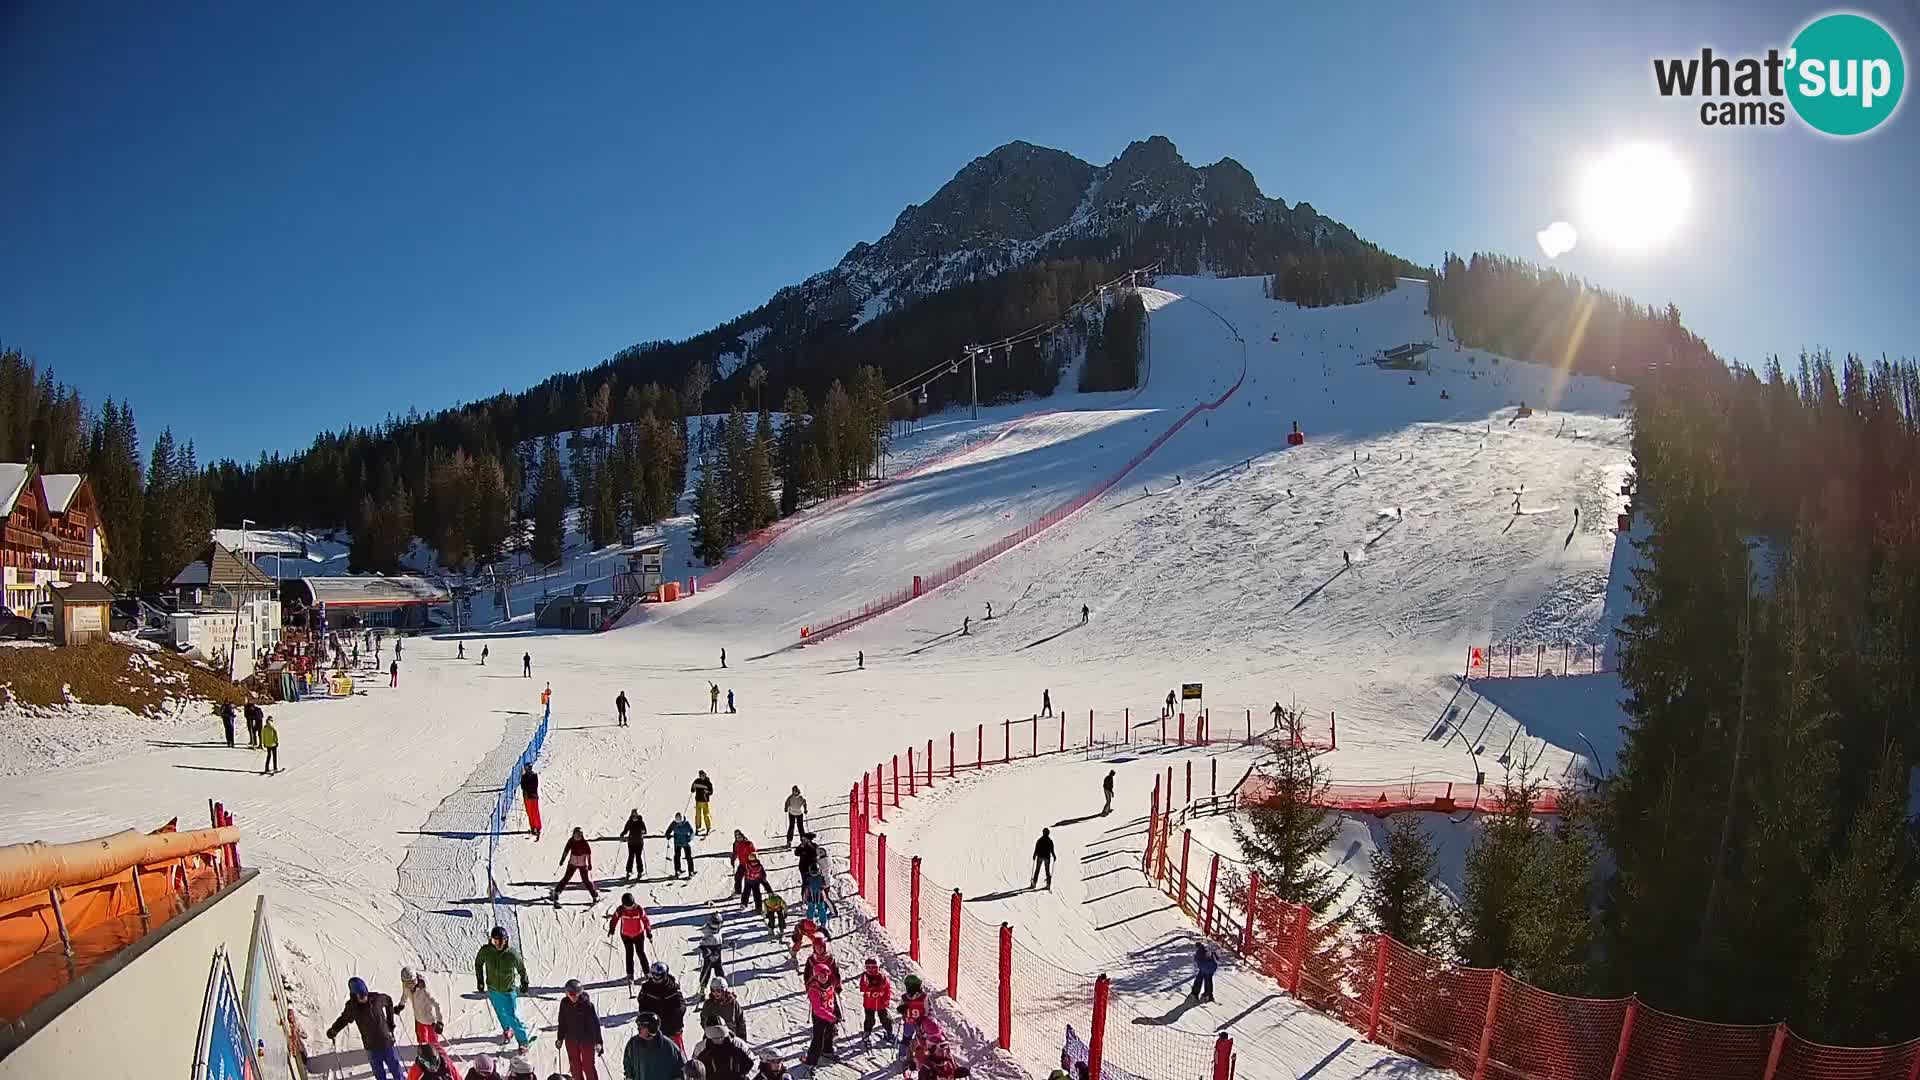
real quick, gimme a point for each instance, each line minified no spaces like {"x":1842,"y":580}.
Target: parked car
{"x":43,"y":618}
{"x":14,"y":627}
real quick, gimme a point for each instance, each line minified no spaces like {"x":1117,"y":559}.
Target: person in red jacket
{"x":635,"y":930}
{"x":876,"y":994}
{"x":802,"y":934}
{"x":578,"y":856}
{"x":913,"y":1009}
{"x":756,"y":884}
{"x":742,"y":850}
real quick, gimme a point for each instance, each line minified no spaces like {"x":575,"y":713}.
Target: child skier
{"x":819,"y":908}
{"x":712,"y":939}
{"x":577,"y":856}
{"x":428,"y":1021}
{"x":803,"y":934}
{"x":681,"y":833}
{"x":635,"y":929}
{"x":775,"y":911}
{"x":912,"y":1009}
{"x":876,"y":995}
{"x":755,"y":885}
{"x":743,"y":850}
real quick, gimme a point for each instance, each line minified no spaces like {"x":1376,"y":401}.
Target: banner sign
{"x":1190,"y":691}
{"x":226,"y":1050}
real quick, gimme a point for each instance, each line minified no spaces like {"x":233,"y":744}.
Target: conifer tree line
{"x":1750,"y":857}
{"x":1325,"y":277}
{"x":807,"y":454}
{"x":1115,"y":345}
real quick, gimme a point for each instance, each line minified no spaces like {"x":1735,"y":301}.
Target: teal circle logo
{"x":1846,"y":74}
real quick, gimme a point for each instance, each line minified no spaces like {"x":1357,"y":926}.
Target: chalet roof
{"x":372,"y":591}
{"x":218,"y":567}
{"x":84,"y":592}
{"x":13,"y":480}
{"x":60,"y":489}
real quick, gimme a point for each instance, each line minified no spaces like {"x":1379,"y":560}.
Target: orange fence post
{"x":913,"y":910}
{"x":929,"y":762}
{"x":1169,"y":789}
{"x":1213,"y":884}
{"x":1253,"y":905}
{"x":1186,"y":846}
{"x":882,"y":890}
{"x":913,"y":775}
{"x":953,"y":947}
{"x":1182,"y":730}
{"x":1626,"y":1040}
{"x":896,"y":780}
{"x":1380,"y":988}
{"x":1097,"y":1031}
{"x":1486,"y":1029}
{"x":1773,"y":1055}
{"x":1223,"y":1057}
{"x":1163,"y":727}
{"x":1304,"y":920}
{"x":853,"y":832}
{"x":880,"y":791}
{"x":1005,"y":1041}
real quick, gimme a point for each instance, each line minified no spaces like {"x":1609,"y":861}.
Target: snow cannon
{"x":1296,"y":437}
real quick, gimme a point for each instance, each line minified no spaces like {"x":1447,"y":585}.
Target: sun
{"x":1635,"y":197}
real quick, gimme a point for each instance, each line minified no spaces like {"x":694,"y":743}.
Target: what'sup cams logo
{"x":1843,"y":75}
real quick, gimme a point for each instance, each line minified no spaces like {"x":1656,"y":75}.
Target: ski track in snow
{"x":1217,"y":560}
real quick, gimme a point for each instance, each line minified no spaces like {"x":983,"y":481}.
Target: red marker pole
{"x":1097,"y":1033}
{"x":912,"y":774}
{"x":953,"y":948}
{"x":1006,"y":987}
{"x":913,"y":909}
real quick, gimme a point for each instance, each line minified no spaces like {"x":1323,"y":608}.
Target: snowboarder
{"x":912,"y":1009}
{"x":876,"y":996}
{"x":796,"y":808}
{"x":723,"y":1056}
{"x":634,"y":832}
{"x":620,"y":708}
{"x":713,"y":697}
{"x":578,"y":1028}
{"x":530,"y":797}
{"x":703,"y":803}
{"x":721,"y":1006}
{"x":526,"y":665}
{"x":460,"y":650}
{"x":754,"y":885}
{"x":636,"y":929}
{"x":648,"y":1056}
{"x":226,"y":720}
{"x":499,"y":974}
{"x":255,"y":717}
{"x":860,"y":660}
{"x":681,"y":833}
{"x":373,"y":1014}
{"x":393,"y":672}
{"x":1106,"y":790}
{"x":484,"y":649}
{"x":1084,"y":614}
{"x":429,"y":1023}
{"x":660,"y":995}
{"x":712,"y":940}
{"x":576,"y":856}
{"x":270,"y":742}
{"x":1043,"y":858}
{"x":776,"y":914}
{"x":730,"y":707}
{"x":1046,"y":703}
{"x":1205,"y":963}
{"x":742,"y":849}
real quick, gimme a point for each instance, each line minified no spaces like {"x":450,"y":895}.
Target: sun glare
{"x":1635,"y":197}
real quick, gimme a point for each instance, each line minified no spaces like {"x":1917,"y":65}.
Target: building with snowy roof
{"x":52,"y":534}
{"x":401,"y":602}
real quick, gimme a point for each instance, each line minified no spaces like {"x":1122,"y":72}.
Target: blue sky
{"x":257,"y":221}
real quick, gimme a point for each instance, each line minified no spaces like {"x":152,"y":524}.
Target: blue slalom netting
{"x":503,"y":913}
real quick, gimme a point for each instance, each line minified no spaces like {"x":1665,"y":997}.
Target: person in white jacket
{"x":796,"y":814}
{"x":428,"y":1021}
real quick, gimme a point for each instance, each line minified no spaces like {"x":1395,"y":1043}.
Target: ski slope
{"x":1219,"y":559}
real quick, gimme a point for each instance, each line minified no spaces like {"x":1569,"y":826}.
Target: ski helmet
{"x":356,"y":987}
{"x":626,"y":898}
{"x":659,"y":967}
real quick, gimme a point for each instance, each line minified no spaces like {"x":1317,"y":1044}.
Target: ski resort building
{"x":229,"y":611}
{"x":53,"y":533}
{"x":1408,"y":357}
{"x":402,"y":602}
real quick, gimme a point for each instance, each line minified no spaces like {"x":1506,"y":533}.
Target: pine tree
{"x":734,"y":467}
{"x":603,"y":510}
{"x":490,"y":519}
{"x":792,"y":451}
{"x":114,"y":469}
{"x":550,"y":500}
{"x":1526,"y":906}
{"x":160,"y":557}
{"x":762,"y":510}
{"x":710,"y":531}
{"x":1401,"y":899}
{"x":833,"y":428}
{"x":449,"y":501}
{"x":1285,"y":833}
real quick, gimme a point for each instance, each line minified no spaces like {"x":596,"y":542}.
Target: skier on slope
{"x":723,"y":659}
{"x":577,"y":1026}
{"x":1046,"y":703}
{"x":966,"y":626}
{"x":876,"y":996}
{"x":776,"y":914}
{"x":860,"y":659}
{"x":681,"y":833}
{"x":635,"y":928}
{"x":722,"y":1006}
{"x":373,"y":1014}
{"x":808,"y":855}
{"x":1084,"y":614}
{"x":429,"y":1023}
{"x":484,"y":650}
{"x":1205,"y":963}
{"x":712,"y":941}
{"x":526,"y":665}
{"x":393,"y":672}
{"x":660,"y":995}
{"x":742,"y":850}
{"x":530,"y":797}
{"x":754,"y":885}
{"x":713,"y":697}
{"x":460,"y":650}
{"x":730,"y":707}
{"x":702,"y":789}
{"x":634,"y":832}
{"x":819,"y":907}
{"x":722,"y":1054}
{"x":796,"y":808}
{"x":576,"y":856}
{"x":620,"y":708}
{"x":823,"y":1004}
{"x":649,"y":1055}
{"x":498,"y":973}
{"x":912,"y":1009}
{"x":1106,"y":790}
{"x":1043,"y":859}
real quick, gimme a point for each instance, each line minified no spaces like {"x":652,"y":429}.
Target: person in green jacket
{"x":498,"y":972}
{"x":649,"y":1056}
{"x":270,"y":741}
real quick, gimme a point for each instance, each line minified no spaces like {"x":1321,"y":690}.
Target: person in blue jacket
{"x":681,"y":833}
{"x":1205,"y":963}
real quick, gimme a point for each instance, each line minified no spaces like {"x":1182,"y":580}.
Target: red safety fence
{"x":1435,"y":796}
{"x":1478,"y":1022}
{"x":1531,"y":661}
{"x":833,"y":623}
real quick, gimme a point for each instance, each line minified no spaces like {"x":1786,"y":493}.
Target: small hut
{"x":82,"y":613}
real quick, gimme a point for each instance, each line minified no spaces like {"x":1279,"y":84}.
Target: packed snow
{"x":1217,"y":559}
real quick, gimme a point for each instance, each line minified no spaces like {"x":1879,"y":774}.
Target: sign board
{"x":1190,"y":691}
{"x":226,"y":1050}
{"x":83,"y":617}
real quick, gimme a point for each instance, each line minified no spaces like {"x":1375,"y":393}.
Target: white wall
{"x":144,"y":1020}
{"x":212,"y":634}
